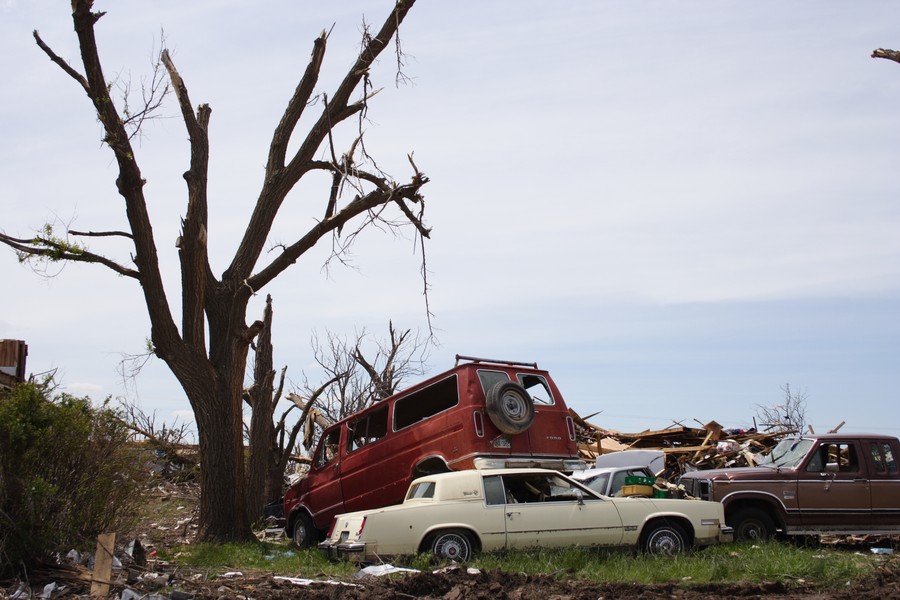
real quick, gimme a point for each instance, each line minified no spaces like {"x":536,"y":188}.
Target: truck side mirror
{"x":832,"y":467}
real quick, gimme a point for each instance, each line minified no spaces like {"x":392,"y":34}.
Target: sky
{"x":675,"y":208}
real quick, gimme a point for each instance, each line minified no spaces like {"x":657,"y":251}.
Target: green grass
{"x":763,"y":562}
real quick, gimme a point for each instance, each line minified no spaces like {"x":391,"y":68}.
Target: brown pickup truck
{"x":810,"y":485}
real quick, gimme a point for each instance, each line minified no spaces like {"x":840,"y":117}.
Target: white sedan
{"x":453,"y":515}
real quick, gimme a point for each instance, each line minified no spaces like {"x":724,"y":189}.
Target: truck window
{"x":537,"y":388}
{"x":425,"y":403}
{"x":367,"y":429}
{"x":843,"y":453}
{"x":883,"y":457}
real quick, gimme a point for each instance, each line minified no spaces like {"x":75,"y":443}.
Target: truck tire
{"x":510,"y":407}
{"x":752,"y":524}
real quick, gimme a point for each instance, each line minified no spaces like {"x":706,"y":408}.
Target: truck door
{"x":885,"y":481}
{"x":833,"y":488}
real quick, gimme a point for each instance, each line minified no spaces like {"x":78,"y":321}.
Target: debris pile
{"x":709,"y":446}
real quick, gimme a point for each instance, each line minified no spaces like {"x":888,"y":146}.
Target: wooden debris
{"x":686,"y":448}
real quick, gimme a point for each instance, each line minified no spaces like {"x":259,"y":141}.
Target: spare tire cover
{"x":510,"y":407}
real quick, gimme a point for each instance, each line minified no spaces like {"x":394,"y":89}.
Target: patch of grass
{"x":731,"y":563}
{"x":771,"y":561}
{"x":275,"y":557}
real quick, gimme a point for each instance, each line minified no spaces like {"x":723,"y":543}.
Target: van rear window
{"x":425,"y":403}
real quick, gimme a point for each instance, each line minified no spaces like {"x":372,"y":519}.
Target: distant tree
{"x":207,"y":352}
{"x":788,"y":416}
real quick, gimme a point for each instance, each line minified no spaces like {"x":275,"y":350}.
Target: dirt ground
{"x":172,"y":521}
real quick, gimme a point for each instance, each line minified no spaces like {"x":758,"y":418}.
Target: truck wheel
{"x":751,"y":524}
{"x":664,"y":538}
{"x":304,"y":534}
{"x":452,"y":544}
{"x":510,"y":407}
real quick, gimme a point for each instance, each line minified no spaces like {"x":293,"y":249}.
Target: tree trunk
{"x":263,"y":450}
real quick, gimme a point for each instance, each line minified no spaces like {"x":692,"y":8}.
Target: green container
{"x":660,"y":493}
{"x":638,"y":480}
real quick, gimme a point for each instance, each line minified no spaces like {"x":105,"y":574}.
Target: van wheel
{"x":452,"y":544}
{"x":751,"y":524}
{"x":304,"y":534}
{"x":510,"y":407}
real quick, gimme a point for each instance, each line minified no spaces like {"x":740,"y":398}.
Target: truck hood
{"x":734,"y":473}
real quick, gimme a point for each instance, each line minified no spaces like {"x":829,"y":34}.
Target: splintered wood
{"x":708,"y":446}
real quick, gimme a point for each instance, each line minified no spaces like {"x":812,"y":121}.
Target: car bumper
{"x":354,"y":551}
{"x":725,"y":535}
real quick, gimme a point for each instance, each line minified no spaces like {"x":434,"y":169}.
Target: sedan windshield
{"x":788,"y":453}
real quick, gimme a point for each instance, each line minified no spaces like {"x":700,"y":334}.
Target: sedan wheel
{"x":665,"y":539}
{"x":452,"y":545}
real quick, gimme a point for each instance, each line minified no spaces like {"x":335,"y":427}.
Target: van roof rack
{"x":460,"y":357}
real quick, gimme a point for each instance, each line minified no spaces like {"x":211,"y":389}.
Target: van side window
{"x":537,"y":387}
{"x":367,"y":429}
{"x":491,"y":378}
{"x":889,"y":457}
{"x":328,"y":449}
{"x":425,"y":403}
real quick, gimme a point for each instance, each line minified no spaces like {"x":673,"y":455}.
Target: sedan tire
{"x":664,"y":538}
{"x":452,"y":544}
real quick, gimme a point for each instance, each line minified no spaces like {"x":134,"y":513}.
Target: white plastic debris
{"x":379,"y":570}
{"x":301,"y":581}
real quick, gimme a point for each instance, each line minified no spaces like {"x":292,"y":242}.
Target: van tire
{"x":510,"y":407}
{"x":303,"y":534}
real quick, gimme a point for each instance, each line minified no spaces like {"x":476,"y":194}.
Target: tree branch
{"x":196,"y":274}
{"x":57,"y":250}
{"x":886,"y":54}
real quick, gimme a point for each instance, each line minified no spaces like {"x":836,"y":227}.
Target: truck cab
{"x":840,"y":484}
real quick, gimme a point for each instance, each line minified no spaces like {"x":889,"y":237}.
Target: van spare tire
{"x":510,"y":407}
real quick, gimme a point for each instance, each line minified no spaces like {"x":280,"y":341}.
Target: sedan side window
{"x":493,"y":490}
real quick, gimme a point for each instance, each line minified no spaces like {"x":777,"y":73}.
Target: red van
{"x":480,"y":414}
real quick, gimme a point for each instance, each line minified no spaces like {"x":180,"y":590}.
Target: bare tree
{"x":786,"y":417}
{"x":362,"y":381}
{"x":353,"y":383}
{"x":207,"y":351}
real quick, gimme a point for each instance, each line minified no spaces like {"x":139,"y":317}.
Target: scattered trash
{"x":882,"y":550}
{"x":379,"y":570}
{"x":301,"y":581}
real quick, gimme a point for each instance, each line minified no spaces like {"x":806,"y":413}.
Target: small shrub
{"x":67,"y":474}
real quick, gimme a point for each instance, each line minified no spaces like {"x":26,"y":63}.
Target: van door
{"x":368,"y":475}
{"x":323,"y":495}
{"x":549,"y":433}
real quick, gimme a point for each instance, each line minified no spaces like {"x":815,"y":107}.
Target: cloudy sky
{"x":676,"y":208}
